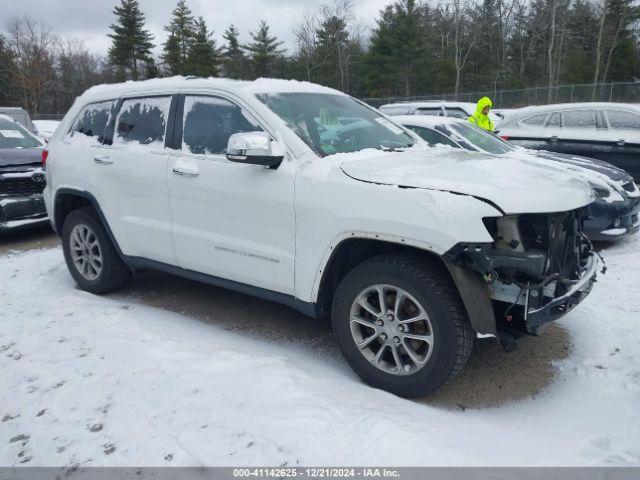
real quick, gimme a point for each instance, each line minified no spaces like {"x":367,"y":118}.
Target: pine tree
{"x":396,"y":60}
{"x":332,"y":50}
{"x":5,"y":68}
{"x":181,"y":30}
{"x":234,"y":60}
{"x":203,"y":57}
{"x":264,"y":51}
{"x":132,"y":43}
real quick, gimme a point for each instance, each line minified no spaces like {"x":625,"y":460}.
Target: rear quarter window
{"x":395,"y":110}
{"x":142,"y":121}
{"x":536,"y":120}
{"x":435,"y":111}
{"x":92,"y":120}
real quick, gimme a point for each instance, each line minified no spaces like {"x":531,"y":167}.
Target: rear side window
{"x":210,"y":121}
{"x":620,"y":119}
{"x":434,"y":111}
{"x":535,"y":120}
{"x":93,"y":119}
{"x":142,"y":121}
{"x":554,"y":121}
{"x":579,"y":119}
{"x":395,"y":110}
{"x":431,"y":136}
{"x":456,"y":113}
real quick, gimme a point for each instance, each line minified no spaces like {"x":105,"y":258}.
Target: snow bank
{"x":90,"y":380}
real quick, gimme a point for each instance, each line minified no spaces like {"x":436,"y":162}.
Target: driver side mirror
{"x":255,"y":148}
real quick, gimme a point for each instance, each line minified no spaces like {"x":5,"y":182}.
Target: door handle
{"x":554,"y":139}
{"x":103,"y":160}
{"x":621,"y":142}
{"x":185,"y":172}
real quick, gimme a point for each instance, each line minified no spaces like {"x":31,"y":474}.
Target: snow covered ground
{"x":88,"y":380}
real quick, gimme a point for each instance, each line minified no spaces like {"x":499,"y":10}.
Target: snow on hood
{"x":20,"y":156}
{"x":516,"y":185}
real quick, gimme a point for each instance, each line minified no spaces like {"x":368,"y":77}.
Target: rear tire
{"x":91,"y":257}
{"x":419,"y":339}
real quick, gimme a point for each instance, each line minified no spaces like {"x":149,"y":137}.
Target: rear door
{"x":230,"y":220}
{"x":530,"y":132}
{"x":133,"y":178}
{"x":584,"y":133}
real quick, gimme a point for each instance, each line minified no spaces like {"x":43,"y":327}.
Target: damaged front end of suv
{"x":537,"y":269}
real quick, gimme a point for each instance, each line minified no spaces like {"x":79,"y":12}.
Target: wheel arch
{"x":350,"y":252}
{"x":354,"y":250}
{"x":67,"y":200}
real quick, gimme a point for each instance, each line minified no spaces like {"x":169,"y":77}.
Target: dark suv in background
{"x":22,"y":179}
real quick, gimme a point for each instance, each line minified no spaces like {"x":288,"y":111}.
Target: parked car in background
{"x":288,"y":191}
{"x":607,"y":131}
{"x":435,"y":108}
{"x":503,"y":113}
{"x":21,"y":116}
{"x":46,"y":128}
{"x":22,"y":179}
{"x":614,"y":213}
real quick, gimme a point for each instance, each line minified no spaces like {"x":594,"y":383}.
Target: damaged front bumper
{"x":538,"y":269}
{"x":562,"y":304}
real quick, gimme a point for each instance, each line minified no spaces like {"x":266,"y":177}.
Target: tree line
{"x":415,"y":48}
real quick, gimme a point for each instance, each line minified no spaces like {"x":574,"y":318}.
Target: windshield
{"x":13,"y":135}
{"x":331,"y":123}
{"x":477,"y":137}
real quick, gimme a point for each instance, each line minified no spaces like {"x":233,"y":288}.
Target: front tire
{"x":91,"y":257}
{"x":401,"y":325}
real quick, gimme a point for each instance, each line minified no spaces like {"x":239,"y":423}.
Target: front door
{"x":230,"y":220}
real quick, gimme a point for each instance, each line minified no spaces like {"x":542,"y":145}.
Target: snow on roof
{"x":6,"y":117}
{"x":554,"y":107}
{"x":177,"y":83}
{"x":430,"y":103}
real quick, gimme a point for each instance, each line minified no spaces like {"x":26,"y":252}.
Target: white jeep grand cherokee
{"x":303,"y":195}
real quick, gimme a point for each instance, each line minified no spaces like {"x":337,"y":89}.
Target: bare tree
{"x":32,"y":69}
{"x":464,"y":39}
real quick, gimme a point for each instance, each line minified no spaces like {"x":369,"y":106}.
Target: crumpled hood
{"x":19,"y":156}
{"x":515,"y":185}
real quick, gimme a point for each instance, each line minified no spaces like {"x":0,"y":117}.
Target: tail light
{"x":45,"y":154}
{"x":504,"y":137}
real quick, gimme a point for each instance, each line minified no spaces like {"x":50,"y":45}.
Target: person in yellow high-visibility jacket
{"x":481,"y":115}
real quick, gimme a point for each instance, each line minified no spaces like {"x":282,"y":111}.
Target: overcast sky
{"x":89,"y":19}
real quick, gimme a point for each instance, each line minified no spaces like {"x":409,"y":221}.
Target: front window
{"x":432,"y":137}
{"x":13,"y":135}
{"x":623,"y":120}
{"x":477,"y":137}
{"x":210,"y":121}
{"x":331,"y":123}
